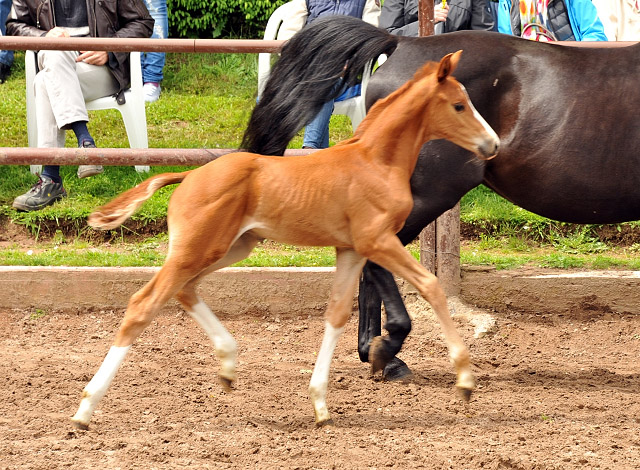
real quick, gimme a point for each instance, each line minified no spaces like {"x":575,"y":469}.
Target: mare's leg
{"x":143,"y":307}
{"x":377,"y":285}
{"x":390,"y":254}
{"x":348,"y":267}
{"x":223,"y":343}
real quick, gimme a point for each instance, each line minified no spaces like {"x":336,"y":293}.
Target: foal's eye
{"x":459,"y":107}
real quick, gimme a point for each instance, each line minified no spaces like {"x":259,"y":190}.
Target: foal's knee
{"x":430,"y":288}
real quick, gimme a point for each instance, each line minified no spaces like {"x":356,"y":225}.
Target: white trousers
{"x":61,"y":87}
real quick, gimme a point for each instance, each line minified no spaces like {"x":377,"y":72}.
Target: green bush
{"x":222,"y":18}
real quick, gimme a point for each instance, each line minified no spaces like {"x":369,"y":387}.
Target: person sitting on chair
{"x":316,"y":132}
{"x":67,"y":78}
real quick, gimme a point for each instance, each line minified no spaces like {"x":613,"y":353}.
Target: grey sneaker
{"x":41,"y":194}
{"x":84,"y":171}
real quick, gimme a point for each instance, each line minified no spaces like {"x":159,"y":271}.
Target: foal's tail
{"x":112,"y":214}
{"x":305,"y":76}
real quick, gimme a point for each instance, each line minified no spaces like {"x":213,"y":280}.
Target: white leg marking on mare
{"x":223,"y":343}
{"x":320,"y":376}
{"x":99,"y":384}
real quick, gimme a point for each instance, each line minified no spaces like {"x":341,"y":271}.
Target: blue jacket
{"x":581,"y":15}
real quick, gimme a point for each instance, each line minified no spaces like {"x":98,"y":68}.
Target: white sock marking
{"x":99,"y":384}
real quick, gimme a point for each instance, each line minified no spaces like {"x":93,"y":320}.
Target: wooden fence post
{"x":440,"y":240}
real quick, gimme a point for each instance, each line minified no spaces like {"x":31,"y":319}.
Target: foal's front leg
{"x":390,"y":254}
{"x":348,"y":267}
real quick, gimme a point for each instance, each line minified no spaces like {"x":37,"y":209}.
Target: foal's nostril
{"x":489,"y":149}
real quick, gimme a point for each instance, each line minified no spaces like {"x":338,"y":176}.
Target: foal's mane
{"x":381,"y":105}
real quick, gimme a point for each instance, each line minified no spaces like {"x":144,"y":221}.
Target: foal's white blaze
{"x":320,"y":376}
{"x":484,"y":123}
{"x":223,"y":343}
{"x":99,"y":384}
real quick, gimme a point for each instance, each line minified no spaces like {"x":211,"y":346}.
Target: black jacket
{"x":107,"y":19}
{"x":400,"y":17}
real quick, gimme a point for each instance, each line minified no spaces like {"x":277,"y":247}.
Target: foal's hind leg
{"x":348,"y":267}
{"x":143,"y":307}
{"x":223,"y":343}
{"x":390,"y":254}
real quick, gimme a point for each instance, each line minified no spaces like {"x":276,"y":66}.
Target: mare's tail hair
{"x":114,"y":213}
{"x":304,"y":77}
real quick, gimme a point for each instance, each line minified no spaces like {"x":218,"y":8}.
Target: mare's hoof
{"x":326,"y":422}
{"x":226,"y":384}
{"x":466,"y":394}
{"x":79,"y":425}
{"x":397,"y":370}
{"x":377,"y":355}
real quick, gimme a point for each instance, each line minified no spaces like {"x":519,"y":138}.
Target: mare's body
{"x":568,"y":119}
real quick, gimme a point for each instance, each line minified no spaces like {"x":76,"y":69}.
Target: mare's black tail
{"x":304,"y":77}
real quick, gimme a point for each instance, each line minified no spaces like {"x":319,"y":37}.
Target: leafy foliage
{"x":222,"y":18}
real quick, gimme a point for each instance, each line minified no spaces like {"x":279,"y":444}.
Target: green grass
{"x":206,"y":102}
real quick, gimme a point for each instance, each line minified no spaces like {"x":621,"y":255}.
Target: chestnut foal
{"x":354,"y":196}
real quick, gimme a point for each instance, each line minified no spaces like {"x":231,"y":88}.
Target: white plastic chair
{"x":353,"y":108}
{"x":133,"y":111}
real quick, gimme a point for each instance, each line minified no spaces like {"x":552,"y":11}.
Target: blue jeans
{"x":316,"y":134}
{"x":6,"y":57}
{"x":153,"y":62}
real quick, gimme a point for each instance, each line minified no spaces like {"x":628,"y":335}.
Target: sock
{"x":53,"y":172}
{"x":81,"y":131}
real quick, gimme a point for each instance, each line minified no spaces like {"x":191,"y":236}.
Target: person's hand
{"x":57,"y":32}
{"x":439,"y":13}
{"x":93,"y":57}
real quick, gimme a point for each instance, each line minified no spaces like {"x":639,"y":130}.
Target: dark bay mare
{"x":568,"y":119}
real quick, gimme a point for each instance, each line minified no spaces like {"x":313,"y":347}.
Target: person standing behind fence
{"x":6,"y":57}
{"x":67,"y":78}
{"x":153,"y":62}
{"x":400,"y":17}
{"x":551,"y":20}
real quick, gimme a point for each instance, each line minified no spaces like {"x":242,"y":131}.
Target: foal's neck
{"x":396,"y":128}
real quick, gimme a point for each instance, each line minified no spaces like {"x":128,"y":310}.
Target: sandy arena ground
{"x":555,"y":392}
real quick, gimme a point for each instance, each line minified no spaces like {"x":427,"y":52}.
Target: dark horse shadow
{"x":567,"y":118}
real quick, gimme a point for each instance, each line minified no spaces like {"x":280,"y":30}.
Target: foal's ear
{"x":447,"y":65}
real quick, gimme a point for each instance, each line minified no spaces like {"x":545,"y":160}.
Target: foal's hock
{"x":354,"y":196}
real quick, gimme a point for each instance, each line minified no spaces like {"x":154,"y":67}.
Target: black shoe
{"x":42,"y":194}
{"x":5,"y":70}
{"x":84,"y":171}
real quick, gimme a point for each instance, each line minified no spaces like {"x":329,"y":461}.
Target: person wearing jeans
{"x":153,"y":62}
{"x":6,"y":57}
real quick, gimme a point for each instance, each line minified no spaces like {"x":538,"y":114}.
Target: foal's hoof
{"x":326,"y":422}
{"x":226,"y":383}
{"x":378,"y":357}
{"x":79,"y":425}
{"x":397,"y":370}
{"x":465,"y":393}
